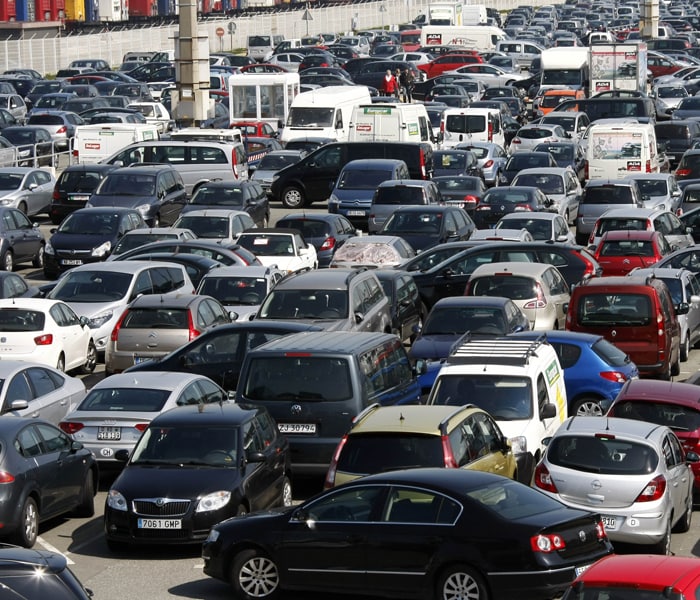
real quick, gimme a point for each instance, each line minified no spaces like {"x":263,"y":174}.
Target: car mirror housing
{"x":548,"y":411}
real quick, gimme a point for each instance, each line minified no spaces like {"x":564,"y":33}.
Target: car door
{"x":75,"y":337}
{"x":40,"y":197}
{"x":692,"y":290}
{"x":318,"y":172}
{"x":173,"y":197}
{"x":559,"y":293}
{"x":24,"y":239}
{"x":261,"y":477}
{"x":678,"y":472}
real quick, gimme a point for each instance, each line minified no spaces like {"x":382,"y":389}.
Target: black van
{"x":312,"y":178}
{"x":315,"y":383}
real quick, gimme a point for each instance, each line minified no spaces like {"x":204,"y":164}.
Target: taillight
{"x":488,"y":164}
{"x":522,"y":207}
{"x":540,"y":301}
{"x":585,"y":169}
{"x":469,"y":199}
{"x":490,"y":132}
{"x":447,"y":455}
{"x":329,"y":243}
{"x":650,"y":225}
{"x":70,"y":427}
{"x":56,"y":195}
{"x":515,"y":141}
{"x":44,"y":340}
{"x":547,"y":543}
{"x":115,"y":332}
{"x":654,"y":490}
{"x":614,"y":376}
{"x":61,"y":129}
{"x":648,"y":166}
{"x":600,"y":530}
{"x":333,"y":468}
{"x":543,"y":479}
{"x":682,"y":172}
{"x":6,"y":477}
{"x":193,"y":331}
{"x":423,"y":169}
{"x":141,"y":426}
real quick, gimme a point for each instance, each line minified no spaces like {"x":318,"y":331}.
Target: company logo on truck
{"x":433,"y":39}
{"x":92,"y":146}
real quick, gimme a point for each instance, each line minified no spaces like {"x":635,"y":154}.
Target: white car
{"x":47,"y":332}
{"x":218,"y":224}
{"x":283,"y":248}
{"x":155,"y":114}
{"x":287,"y":60}
{"x":528,"y":136}
{"x":543,"y":226}
{"x":417,"y":58}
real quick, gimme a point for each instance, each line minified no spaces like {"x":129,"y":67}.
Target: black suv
{"x":679,"y":135}
{"x":74,"y":187}
{"x":156,"y":191}
{"x":248,"y":196}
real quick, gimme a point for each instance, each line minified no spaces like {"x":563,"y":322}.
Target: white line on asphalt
{"x":199,"y":566}
{"x":42,"y":542}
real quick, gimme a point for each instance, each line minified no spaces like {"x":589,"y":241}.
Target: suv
{"x":678,"y":135}
{"x":393,"y":194}
{"x":335,"y":299}
{"x":387,"y":438}
{"x":600,"y":195}
{"x":636,"y":313}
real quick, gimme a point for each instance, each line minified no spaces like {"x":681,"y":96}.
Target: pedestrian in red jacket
{"x":390,"y":85}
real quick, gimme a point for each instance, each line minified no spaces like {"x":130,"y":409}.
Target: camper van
{"x":390,"y":123}
{"x":324,"y":112}
{"x":92,"y":143}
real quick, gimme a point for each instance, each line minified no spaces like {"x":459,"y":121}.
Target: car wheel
{"x":685,"y":348}
{"x":287,"y":492}
{"x":90,"y":359}
{"x":293,"y":197}
{"x":684,"y":522}
{"x":29,"y":524}
{"x":86,"y":508}
{"x":588,"y":406}
{"x":581,"y":239}
{"x":664,"y":545}
{"x":38,"y":260}
{"x":61,"y":363}
{"x":8,"y":261}
{"x":676,"y":367}
{"x":22,"y":207}
{"x":255,"y":576}
{"x":461,"y":581}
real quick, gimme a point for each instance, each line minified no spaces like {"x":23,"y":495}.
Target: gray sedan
{"x":26,"y":188}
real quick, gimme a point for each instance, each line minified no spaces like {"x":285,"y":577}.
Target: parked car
{"x":60,"y":124}
{"x":619,"y":252}
{"x":503,"y":200}
{"x":325,"y":232}
{"x":375,"y":251}
{"x":73,"y":188}
{"x":455,"y":162}
{"x":284,"y":248}
{"x":226,"y":254}
{"x":35,"y":148}
{"x":529,"y":136}
{"x":218,"y":225}
{"x":28,"y":189}
{"x":20,"y":240}
{"x":13,"y":285}
{"x":248,"y":196}
{"x":425,"y":226}
{"x":491,"y":159}
{"x":137,"y":238}
{"x":560,"y":185}
{"x":543,"y":226}
{"x":565,"y":154}
{"x":531,"y":159}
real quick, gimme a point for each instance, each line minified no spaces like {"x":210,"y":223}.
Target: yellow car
{"x":386,"y":438}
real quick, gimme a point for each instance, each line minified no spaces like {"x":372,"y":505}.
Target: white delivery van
{"x":390,"y":123}
{"x":216,"y":135}
{"x":520,"y":383}
{"x":92,"y":143}
{"x":460,"y":125}
{"x":615,"y":151}
{"x":483,"y":37}
{"x":260,"y":45}
{"x":324,"y":112}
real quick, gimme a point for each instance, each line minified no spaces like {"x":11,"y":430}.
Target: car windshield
{"x":308,"y":378}
{"x":623,"y":310}
{"x":200,"y":446}
{"x":92,"y":286}
{"x":18,"y":319}
{"x":275,"y":162}
{"x":549,"y":184}
{"x":540,"y":229}
{"x":88,"y":222}
{"x":10,"y":181}
{"x":243,"y":291}
{"x":311,"y":117}
{"x":129,"y":242}
{"x":611,"y":455}
{"x":218,"y":196}
{"x":122,"y":400}
{"x":305,"y":304}
{"x":127,"y":184}
{"x":506,"y":398}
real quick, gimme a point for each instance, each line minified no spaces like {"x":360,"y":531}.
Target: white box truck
{"x":618,"y":67}
{"x":481,"y":37}
{"x":565,"y":67}
{"x":92,"y":143}
{"x":324,"y":112}
{"x":390,"y":123}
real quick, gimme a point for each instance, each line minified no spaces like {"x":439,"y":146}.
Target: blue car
{"x":594,"y":369}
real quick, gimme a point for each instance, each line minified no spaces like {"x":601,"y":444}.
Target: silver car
{"x":560,"y":184}
{"x":117,"y":409}
{"x":26,"y":188}
{"x":491,"y":158}
{"x":543,"y":226}
{"x":530,"y":135}
{"x":632,"y":472}
{"x":667,"y":98}
{"x":659,"y":190}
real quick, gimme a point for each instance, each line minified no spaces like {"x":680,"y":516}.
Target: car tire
{"x":255,"y":576}
{"x":28,"y":524}
{"x":685,"y":348}
{"x":663,"y":547}
{"x":588,"y":406}
{"x":461,"y":581}
{"x":287,"y":496}
{"x":293,"y":197}
{"x":86,"y":508}
{"x":581,"y":239}
{"x":8,"y":261}
{"x":61,"y":363}
{"x":683,"y":524}
{"x":90,"y":359}
{"x":38,"y":260}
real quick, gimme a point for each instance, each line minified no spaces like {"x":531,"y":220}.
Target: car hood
{"x":80,"y":241}
{"x":119,"y":200}
{"x":419,"y":241}
{"x":434,"y":346}
{"x":9,"y":193}
{"x":92,"y":309}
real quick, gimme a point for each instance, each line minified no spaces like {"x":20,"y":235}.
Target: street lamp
{"x":382,"y":9}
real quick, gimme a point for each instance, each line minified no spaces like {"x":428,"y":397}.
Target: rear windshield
{"x":653,"y":187}
{"x":308,"y":378}
{"x":610,"y":354}
{"x":17,"y":319}
{"x":259,"y":40}
{"x":619,"y":309}
{"x":465,"y":123}
{"x":669,"y":131}
{"x":627,"y":248}
{"x":550,"y":100}
{"x":305,"y":304}
{"x":608,"y":194}
{"x":599,"y":454}
{"x":247,"y":291}
{"x":510,"y":286}
{"x":125,"y":400}
{"x":626,"y":224}
{"x":46,"y":120}
{"x":528,"y":161}
{"x":205,"y":227}
{"x":450,"y":161}
{"x":366,"y":179}
{"x":549,"y":184}
{"x":156,"y":318}
{"x":617,"y":591}
{"x":534,"y":133}
{"x":400,"y":195}
{"x":377,"y":453}
{"x":78,"y":181}
{"x":675,"y":416}
{"x":307,"y":228}
{"x":217,"y":196}
{"x":455,"y":320}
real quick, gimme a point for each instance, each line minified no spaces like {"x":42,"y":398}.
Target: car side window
{"x":542,"y":394}
{"x":41,"y":381}
{"x":266,"y":426}
{"x":162,"y":282}
{"x":58,"y":315}
{"x":18,"y":389}
{"x":414,"y":506}
{"x":190,"y":395}
{"x":28,"y":443}
{"x":143,"y":284}
{"x":21,"y":220}
{"x":210,"y":392}
{"x":70,"y":318}
{"x":54,"y":440}
{"x":252,"y":441}
{"x":358,"y":504}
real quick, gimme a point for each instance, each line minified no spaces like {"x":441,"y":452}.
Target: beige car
{"x":539,"y":290}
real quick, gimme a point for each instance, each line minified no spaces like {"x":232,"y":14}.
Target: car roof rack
{"x":502,"y":351}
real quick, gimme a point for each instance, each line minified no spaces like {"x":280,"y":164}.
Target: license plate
{"x":297,"y":427}
{"x":109,"y":433}
{"x":580,"y":570}
{"x":356,"y":213}
{"x":79,"y":197}
{"x":139,"y":359}
{"x":71,"y":262}
{"x":159,"y":524}
{"x":610,"y":523}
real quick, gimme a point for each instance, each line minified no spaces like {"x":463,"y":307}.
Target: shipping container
{"x":204,"y":7}
{"x":8,"y":11}
{"x":24,"y":9}
{"x":143,"y":8}
{"x":113,"y":10}
{"x":58,"y":10}
{"x":167,"y":8}
{"x":42,"y":10}
{"x":75,"y":10}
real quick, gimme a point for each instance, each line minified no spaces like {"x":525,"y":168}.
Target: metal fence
{"x":48,"y":55}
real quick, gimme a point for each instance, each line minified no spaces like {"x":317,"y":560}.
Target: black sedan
{"x":20,"y":240}
{"x":219,"y":353}
{"x":525,"y":160}
{"x":426,"y":226}
{"x":417,"y":533}
{"x":504,"y":200}
{"x":193,"y":467}
{"x":248,"y":196}
{"x":44,"y":474}
{"x":465,"y":191}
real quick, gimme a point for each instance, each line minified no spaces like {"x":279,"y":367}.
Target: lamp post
{"x":382,"y":9}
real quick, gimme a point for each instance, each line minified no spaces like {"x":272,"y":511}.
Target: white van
{"x":471,"y":125}
{"x":390,"y":123}
{"x":260,"y":45}
{"x":92,"y":143}
{"x":324,"y":112}
{"x":618,"y":150}
{"x":215,"y":135}
{"x":519,"y":382}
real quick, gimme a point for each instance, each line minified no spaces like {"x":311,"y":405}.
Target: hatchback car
{"x":388,"y":438}
{"x":199,"y":451}
{"x":73,"y":188}
{"x":284,"y":248}
{"x":325,"y":232}
{"x":642,"y":219}
{"x":437,"y":513}
{"x":117,"y":410}
{"x":566,"y":154}
{"x":560,"y":185}
{"x":543,"y":227}
{"x":530,"y":159}
{"x":60,"y":124}
{"x":247,"y":196}
{"x":27,"y":189}
{"x":20,"y":240}
{"x":218,"y":225}
{"x":528,"y":136}
{"x":659,"y":190}
{"x":619,"y":252}
{"x":491,"y":159}
{"x":426,"y":226}
{"x":137,"y":238}
{"x":500,"y":201}
{"x":635,"y":473}
{"x":462,"y":191}
{"x":455,"y":162}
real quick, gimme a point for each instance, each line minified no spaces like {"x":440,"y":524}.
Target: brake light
{"x":447,"y":454}
{"x":469,"y":199}
{"x":329,"y":243}
{"x":115,"y":332}
{"x":516,"y":141}
{"x":490,"y":132}
{"x":547,"y":543}
{"x":682,"y":172}
{"x":585,"y":169}
{"x":488,"y":164}
{"x":141,"y":426}
{"x":44,"y":340}
{"x":614,"y":376}
{"x":333,"y":467}
{"x":588,"y":269}
{"x":234,"y":164}
{"x":543,"y":479}
{"x":654,"y":490}
{"x":540,"y":301}
{"x":522,"y":207}
{"x":55,"y":195}
{"x":600,"y":530}
{"x":61,"y":129}
{"x":423,"y":168}
{"x":70,"y":427}
{"x":648,"y":166}
{"x":193,"y":331}
{"x":6,"y":477}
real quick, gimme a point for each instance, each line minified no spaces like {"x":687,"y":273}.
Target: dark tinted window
{"x":157,"y":318}
{"x":603,"y":309}
{"x":364,"y":454}
{"x":121,"y":400}
{"x":675,"y":416}
{"x":14,"y":319}
{"x":603,"y":455}
{"x":399,"y":195}
{"x":608,"y":194}
{"x":610,"y":353}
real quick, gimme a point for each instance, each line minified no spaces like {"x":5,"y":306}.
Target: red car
{"x":676,"y":405}
{"x":660,"y":65}
{"x":621,"y":251}
{"x":448,"y":62}
{"x":637,"y":577}
{"x":253,"y":128}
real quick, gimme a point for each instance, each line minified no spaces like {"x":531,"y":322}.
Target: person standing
{"x":409,"y":80}
{"x":389,"y":85}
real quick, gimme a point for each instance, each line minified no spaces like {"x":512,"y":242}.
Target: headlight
{"x":6,"y":201}
{"x":333,"y":199}
{"x":116,"y":501}
{"x":143,"y":209}
{"x":99,"y":320}
{"x":518,"y":444}
{"x":214,"y":501}
{"x":48,"y":248}
{"x":102,"y":249}
{"x":213,"y":536}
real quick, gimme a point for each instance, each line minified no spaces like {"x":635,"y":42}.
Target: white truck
{"x":618,"y":67}
{"x":481,"y":37}
{"x":390,"y":123}
{"x":324,"y":112}
{"x":565,"y":67}
{"x":92,"y":143}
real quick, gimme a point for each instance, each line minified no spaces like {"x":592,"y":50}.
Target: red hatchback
{"x":621,"y":251}
{"x":676,"y":405}
{"x":638,"y":577}
{"x":448,"y":62}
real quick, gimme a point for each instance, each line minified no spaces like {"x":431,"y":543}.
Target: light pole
{"x":382,"y":9}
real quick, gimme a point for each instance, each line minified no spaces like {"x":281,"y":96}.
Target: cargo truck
{"x":618,"y":67}
{"x":480,"y":37}
{"x":565,"y":67}
{"x":92,"y":143}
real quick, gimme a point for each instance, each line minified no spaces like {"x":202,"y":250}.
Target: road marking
{"x":199,"y":566}
{"x":42,"y":542}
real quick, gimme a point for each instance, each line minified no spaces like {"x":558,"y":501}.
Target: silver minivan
{"x":523,"y":52}
{"x":394,"y":194}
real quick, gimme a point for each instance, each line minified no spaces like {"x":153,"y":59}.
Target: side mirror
{"x":682,"y":308}
{"x":255,"y":457}
{"x":121,"y":455}
{"x":548,"y":411}
{"x":83,"y":321}
{"x":545,"y":441}
{"x":359,"y":317}
{"x":421,"y":367}
{"x":692,"y":457}
{"x":18,"y":405}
